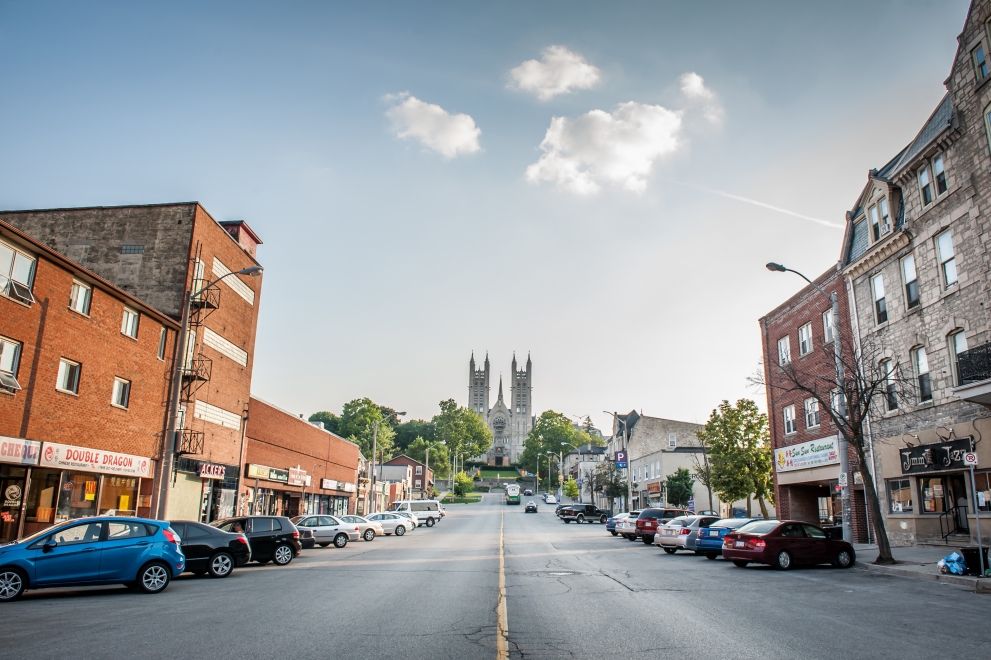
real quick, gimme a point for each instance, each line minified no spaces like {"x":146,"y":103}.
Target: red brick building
{"x":799,"y":333}
{"x":85,"y":371}
{"x":423,"y":478}
{"x":293,"y":467}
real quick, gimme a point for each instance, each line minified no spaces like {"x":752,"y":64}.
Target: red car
{"x":784,"y":544}
{"x":650,"y":519}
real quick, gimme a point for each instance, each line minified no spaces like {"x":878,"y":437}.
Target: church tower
{"x":521,"y":405}
{"x":510,"y":421}
{"x":478,"y":387}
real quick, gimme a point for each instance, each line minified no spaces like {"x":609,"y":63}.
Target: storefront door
{"x":12,"y":491}
{"x":956,"y":492}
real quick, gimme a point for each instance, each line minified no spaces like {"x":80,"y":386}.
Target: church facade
{"x":509,"y":422}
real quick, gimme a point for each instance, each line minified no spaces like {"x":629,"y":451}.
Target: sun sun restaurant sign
{"x":68,"y":457}
{"x":807,"y":455}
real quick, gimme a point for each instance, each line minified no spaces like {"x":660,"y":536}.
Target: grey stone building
{"x":916,"y":261}
{"x":510,"y":423}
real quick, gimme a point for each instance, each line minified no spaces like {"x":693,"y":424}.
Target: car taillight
{"x":356,"y":528}
{"x":170,"y":535}
{"x":242,"y":540}
{"x":759,"y":544}
{"x":295,"y":534}
{"x":685,"y":531}
{"x":728,"y":542}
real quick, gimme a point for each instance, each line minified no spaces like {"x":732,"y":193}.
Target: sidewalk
{"x":917,"y":563}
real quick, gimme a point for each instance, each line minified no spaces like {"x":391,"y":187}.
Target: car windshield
{"x":759,"y":527}
{"x":652,"y":513}
{"x":730,"y":523}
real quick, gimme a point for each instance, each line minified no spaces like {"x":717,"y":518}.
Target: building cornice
{"x":878,"y":254}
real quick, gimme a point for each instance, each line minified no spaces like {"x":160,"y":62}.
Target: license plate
{"x":713,"y":533}
{"x":739,"y":544}
{"x":668,"y":532}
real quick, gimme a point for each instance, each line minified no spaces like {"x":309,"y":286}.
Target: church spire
{"x":500,"y":387}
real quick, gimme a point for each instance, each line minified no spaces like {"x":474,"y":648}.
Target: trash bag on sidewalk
{"x":953,"y":564}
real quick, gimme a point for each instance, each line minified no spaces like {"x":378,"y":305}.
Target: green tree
{"x":462,"y":429}
{"x":613,"y":482}
{"x":409,"y":431}
{"x":329,"y":419}
{"x":357,"y":422}
{"x":463,"y":484}
{"x":679,"y":487}
{"x":571,"y":489}
{"x":554,"y":433}
{"x":740,"y":452}
{"x":440,"y":461}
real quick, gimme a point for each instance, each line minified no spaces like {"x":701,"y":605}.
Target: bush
{"x":463,"y":484}
{"x":483,"y":489}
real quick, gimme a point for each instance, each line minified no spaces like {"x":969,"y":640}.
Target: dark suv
{"x":210,"y":550}
{"x":272,"y":538}
{"x":584,"y":513}
{"x":650,"y":519}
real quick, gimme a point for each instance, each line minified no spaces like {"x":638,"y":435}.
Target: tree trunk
{"x":877,"y":520}
{"x":710,"y":497}
{"x":763,"y":507}
{"x":749,"y":515}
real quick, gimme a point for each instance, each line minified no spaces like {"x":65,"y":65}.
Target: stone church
{"x":510,"y":423}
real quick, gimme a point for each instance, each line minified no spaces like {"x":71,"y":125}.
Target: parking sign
{"x":970,"y":458}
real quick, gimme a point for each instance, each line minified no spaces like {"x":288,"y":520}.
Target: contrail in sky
{"x":825,"y":223}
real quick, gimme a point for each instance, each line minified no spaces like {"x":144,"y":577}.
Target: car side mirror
{"x":829,"y":534}
{"x":50,"y":545}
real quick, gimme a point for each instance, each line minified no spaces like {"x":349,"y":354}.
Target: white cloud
{"x":694,"y":89}
{"x":559,"y":71}
{"x":581,"y":153}
{"x":436,"y":128}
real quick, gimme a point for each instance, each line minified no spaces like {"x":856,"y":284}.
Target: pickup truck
{"x":584,"y":513}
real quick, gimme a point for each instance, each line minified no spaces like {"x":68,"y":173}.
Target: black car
{"x":559,"y":508}
{"x":210,"y":550}
{"x":272,"y":538}
{"x":531,"y":507}
{"x":584,"y":513}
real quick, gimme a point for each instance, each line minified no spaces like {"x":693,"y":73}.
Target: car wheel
{"x":400,"y":530}
{"x":282,"y":555}
{"x":221,"y":565}
{"x":12,"y":584}
{"x":845,"y":559}
{"x":340,"y":540}
{"x":783,"y":561}
{"x":670,"y":551}
{"x":323,"y":545}
{"x":264,"y":561}
{"x":648,"y":540}
{"x":153,"y":578}
{"x":740,"y":563}
{"x":602,"y":520}
{"x":631,"y":537}
{"x":430,"y":522}
{"x":614,"y":533}
{"x":369,"y":535}
{"x":711,"y":555}
{"x":566,"y":521}
{"x":579,"y":519}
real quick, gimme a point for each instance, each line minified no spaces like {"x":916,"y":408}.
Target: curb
{"x":972,"y":582}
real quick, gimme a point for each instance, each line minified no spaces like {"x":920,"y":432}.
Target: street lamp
{"x":171,"y":445}
{"x":629,"y":471}
{"x":426,"y":477}
{"x":841,"y":443}
{"x":375,"y":437}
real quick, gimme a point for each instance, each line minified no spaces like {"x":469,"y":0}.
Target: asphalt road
{"x":570,"y":591}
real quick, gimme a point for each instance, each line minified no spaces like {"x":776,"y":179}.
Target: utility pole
{"x":375,"y":437}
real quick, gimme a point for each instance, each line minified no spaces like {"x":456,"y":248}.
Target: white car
{"x":627,"y":528}
{"x":412,"y":517}
{"x":368,"y":529}
{"x":392,"y":523}
{"x":551,"y":499}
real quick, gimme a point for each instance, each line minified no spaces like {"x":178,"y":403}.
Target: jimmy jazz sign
{"x":939,"y":456}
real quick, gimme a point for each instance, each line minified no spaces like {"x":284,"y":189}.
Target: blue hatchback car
{"x":138,"y":552}
{"x":710,"y":539}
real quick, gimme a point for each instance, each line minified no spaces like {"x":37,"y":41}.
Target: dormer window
{"x":931,"y":186}
{"x":882,"y":209}
{"x":939,"y":174}
{"x":880,"y":219}
{"x":875,"y":223}
{"x":925,"y":186}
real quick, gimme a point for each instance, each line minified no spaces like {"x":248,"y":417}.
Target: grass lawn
{"x":470,"y":499}
{"x":499,"y":473}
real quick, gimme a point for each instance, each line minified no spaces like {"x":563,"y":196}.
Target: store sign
{"x":12,"y":496}
{"x":330,"y":484}
{"x":68,"y":457}
{"x":269,"y":473}
{"x":936,"y":457}
{"x":807,"y":455}
{"x":654,"y":487}
{"x":211,"y":471}
{"x":19,"y":450}
{"x":297,"y":477}
{"x":621,"y":459}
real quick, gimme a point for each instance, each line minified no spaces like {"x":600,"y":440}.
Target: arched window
{"x":920,"y":363}
{"x":890,"y":393}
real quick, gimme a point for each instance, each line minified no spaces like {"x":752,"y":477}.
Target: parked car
{"x":650,"y":519}
{"x":531,"y":507}
{"x":584,"y":513}
{"x":611,"y":522}
{"x":627,"y":527}
{"x":550,"y":499}
{"x":367,"y":529}
{"x":710,"y":539}
{"x":409,"y":516}
{"x":105,"y":550}
{"x":785,"y":545}
{"x":427,"y":512}
{"x":681,"y":533}
{"x":272,"y":538}
{"x":327,"y":530}
{"x":210,"y":550}
{"x":392,"y":523}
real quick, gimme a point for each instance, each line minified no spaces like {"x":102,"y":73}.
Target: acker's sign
{"x":68,"y":457}
{"x":807,"y":455}
{"x":19,"y":450}
{"x":948,"y":455}
{"x":211,"y":471}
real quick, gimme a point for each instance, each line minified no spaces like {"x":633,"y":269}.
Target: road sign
{"x":970,"y":458}
{"x":842,"y":479}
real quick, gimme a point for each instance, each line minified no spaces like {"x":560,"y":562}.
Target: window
{"x":980,"y":63}
{"x":827,"y":326}
{"x":85,"y":533}
{"x":68,"y":376}
{"x":934,"y":495}
{"x":890,"y":393}
{"x":947,"y":259}
{"x":16,"y":273}
{"x":672,"y":440}
{"x":939,"y":174}
{"x":958,"y":345}
{"x":880,"y":307}
{"x":122,"y":392}
{"x":882,"y":209}
{"x":911,"y":282}
{"x":805,"y":339}
{"x":161,"y":343}
{"x":789,"y":415}
{"x":417,"y":484}
{"x":784,"y":351}
{"x":419,"y":469}
{"x":875,"y":224}
{"x":837,"y":403}
{"x":10,"y":357}
{"x":129,"y":323}
{"x":132,"y":249}
{"x":126,"y":530}
{"x":260,"y":525}
{"x":79,"y":297}
{"x":925,"y":186}
{"x":900,"y":495}
{"x":811,"y":413}
{"x":921,"y":363}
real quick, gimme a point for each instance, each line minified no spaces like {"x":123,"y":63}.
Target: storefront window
{"x":932,"y":494}
{"x":42,"y":497}
{"x":77,"y":496}
{"x":900,"y":495}
{"x":119,"y":496}
{"x":983,"y":481}
{"x":12,"y":480}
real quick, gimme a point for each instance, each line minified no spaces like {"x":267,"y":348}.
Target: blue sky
{"x":389,"y":261}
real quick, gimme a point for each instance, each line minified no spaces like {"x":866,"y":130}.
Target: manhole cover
{"x":562,"y":573}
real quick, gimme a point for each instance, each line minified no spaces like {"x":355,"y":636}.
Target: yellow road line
{"x":502,"y":636}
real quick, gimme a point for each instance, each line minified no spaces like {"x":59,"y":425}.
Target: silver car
{"x":392,"y":523}
{"x":411,"y":516}
{"x":681,"y":533}
{"x":627,"y":527}
{"x":367,"y":529}
{"x":328,"y":529}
